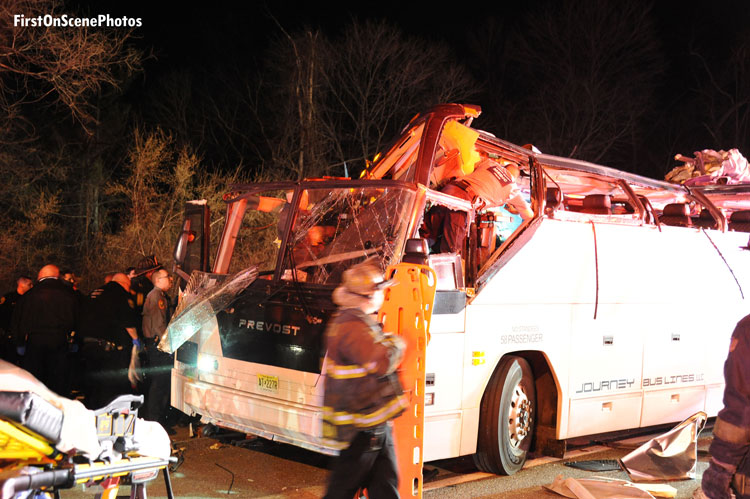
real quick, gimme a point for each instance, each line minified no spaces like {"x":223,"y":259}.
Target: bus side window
{"x":449,"y":270}
{"x":487,"y":237}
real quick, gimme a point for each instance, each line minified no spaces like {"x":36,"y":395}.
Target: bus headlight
{"x":207,"y":364}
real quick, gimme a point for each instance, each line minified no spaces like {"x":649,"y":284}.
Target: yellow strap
{"x":18,"y":444}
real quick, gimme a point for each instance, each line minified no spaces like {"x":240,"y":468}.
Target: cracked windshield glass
{"x":336,"y":228}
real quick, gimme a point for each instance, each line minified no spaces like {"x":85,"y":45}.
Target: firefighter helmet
{"x":365,"y":278}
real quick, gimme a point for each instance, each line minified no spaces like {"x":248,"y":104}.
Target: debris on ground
{"x":596,"y":488}
{"x":596,"y":465}
{"x":670,"y":456}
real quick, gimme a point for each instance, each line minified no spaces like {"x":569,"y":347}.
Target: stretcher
{"x":32,"y":466}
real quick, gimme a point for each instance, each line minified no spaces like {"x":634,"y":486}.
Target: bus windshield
{"x":336,"y":228}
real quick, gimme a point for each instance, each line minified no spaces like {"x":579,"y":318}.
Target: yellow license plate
{"x":268,"y":383}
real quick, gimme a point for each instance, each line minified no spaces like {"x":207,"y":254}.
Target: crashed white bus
{"x":610,"y":309}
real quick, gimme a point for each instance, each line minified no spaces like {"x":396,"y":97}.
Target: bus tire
{"x":506,"y":419}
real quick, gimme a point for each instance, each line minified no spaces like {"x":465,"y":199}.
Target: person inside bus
{"x":490,"y":185}
{"x":316,"y":236}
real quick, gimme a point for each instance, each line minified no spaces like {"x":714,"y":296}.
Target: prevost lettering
{"x":605,"y":385}
{"x":271,"y":327}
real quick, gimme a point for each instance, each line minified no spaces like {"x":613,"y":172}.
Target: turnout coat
{"x":362,"y":390}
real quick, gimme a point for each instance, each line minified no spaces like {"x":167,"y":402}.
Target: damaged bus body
{"x":610,"y":309}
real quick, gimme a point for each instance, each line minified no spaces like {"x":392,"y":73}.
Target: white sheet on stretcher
{"x":79,"y":424}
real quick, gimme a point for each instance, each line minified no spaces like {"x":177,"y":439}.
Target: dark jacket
{"x":361,"y":388}
{"x":7,"y":304}
{"x":730,"y":448}
{"x":140,"y":287}
{"x":45,"y":315}
{"x":107,"y":313}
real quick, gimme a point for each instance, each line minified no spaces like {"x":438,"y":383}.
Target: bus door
{"x":191,"y":250}
{"x":445,"y":350}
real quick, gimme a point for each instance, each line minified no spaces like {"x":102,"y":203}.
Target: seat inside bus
{"x":739,"y":221}
{"x":677,"y":214}
{"x":416,"y":251}
{"x":597,"y":204}
{"x":705,"y":220}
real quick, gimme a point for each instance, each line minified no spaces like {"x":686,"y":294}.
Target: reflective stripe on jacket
{"x":730,"y":448}
{"x":362,"y":389}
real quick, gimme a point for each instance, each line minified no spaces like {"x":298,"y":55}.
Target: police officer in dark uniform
{"x":156,"y":315}
{"x":108,"y":327}
{"x":42,"y":323}
{"x":7,"y":304}
{"x":730,"y":449}
{"x":141,"y":285}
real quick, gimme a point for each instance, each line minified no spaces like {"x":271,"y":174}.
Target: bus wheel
{"x":506,"y":418}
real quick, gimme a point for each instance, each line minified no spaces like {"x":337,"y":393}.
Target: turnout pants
{"x":731,"y":444}
{"x":368,"y":463}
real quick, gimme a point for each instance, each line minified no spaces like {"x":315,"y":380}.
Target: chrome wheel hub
{"x":519,"y":417}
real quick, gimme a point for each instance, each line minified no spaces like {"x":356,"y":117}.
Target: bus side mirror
{"x":180,"y":249}
{"x":186,"y":237}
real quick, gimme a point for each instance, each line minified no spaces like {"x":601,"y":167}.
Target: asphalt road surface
{"x":232,"y":466}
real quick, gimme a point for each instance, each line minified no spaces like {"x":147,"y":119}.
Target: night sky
{"x":188,"y":33}
{"x":204,"y":35}
{"x":221,"y":83}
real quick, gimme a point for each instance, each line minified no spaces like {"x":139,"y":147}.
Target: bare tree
{"x":377,"y":78}
{"x":160,"y":176}
{"x":296,"y":88}
{"x":592,"y":68}
{"x":55,"y":66}
{"x":51,"y":78}
{"x":319,"y":102}
{"x":328,"y":101}
{"x":723,"y":91}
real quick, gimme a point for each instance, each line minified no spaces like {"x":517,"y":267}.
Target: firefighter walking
{"x":362,"y":390}
{"x":729,"y":470}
